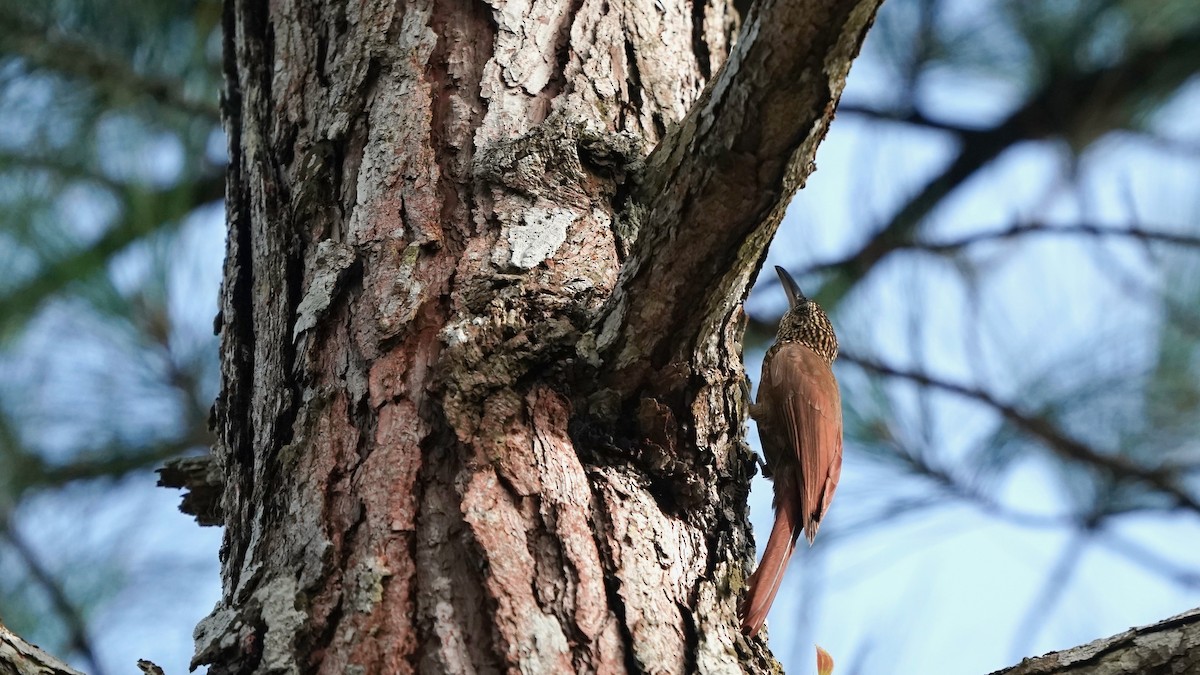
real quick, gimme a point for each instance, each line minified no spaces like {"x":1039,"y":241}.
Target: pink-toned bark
{"x":480,"y":326}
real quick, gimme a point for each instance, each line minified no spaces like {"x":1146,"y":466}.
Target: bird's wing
{"x":812,"y":415}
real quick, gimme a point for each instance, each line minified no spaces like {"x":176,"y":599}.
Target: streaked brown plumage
{"x":799,"y":416}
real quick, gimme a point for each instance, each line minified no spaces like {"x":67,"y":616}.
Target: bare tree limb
{"x":1043,"y":430}
{"x":1053,"y":587}
{"x":911,"y":117}
{"x":1169,"y":646}
{"x":715,"y":189}
{"x":64,"y":167}
{"x":1076,"y":106}
{"x":1136,"y":232}
{"x":959,"y":488}
{"x":18,"y":657}
{"x":107,"y":462}
{"x":170,"y":205}
{"x":915,"y":118}
{"x":1138,"y":553}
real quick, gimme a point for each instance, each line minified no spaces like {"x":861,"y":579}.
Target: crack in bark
{"x":486,"y":199}
{"x":612,"y":583}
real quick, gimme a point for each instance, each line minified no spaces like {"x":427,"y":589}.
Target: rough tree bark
{"x":18,"y":657}
{"x":1169,"y":647}
{"x":482,"y":403}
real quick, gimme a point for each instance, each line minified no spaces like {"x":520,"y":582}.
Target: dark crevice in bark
{"x":412,"y":656}
{"x":328,"y":630}
{"x":364,"y":418}
{"x":594,"y":441}
{"x":496,"y":644}
{"x":233,"y":406}
{"x":256,"y":23}
{"x":348,"y":148}
{"x":336,"y":178}
{"x":322,"y":55}
{"x":612,"y":584}
{"x":634,"y":80}
{"x":562,"y":53}
{"x":580,"y":644}
{"x":742,"y":7}
{"x":231,"y":93}
{"x":250,"y":651}
{"x":454,"y":184}
{"x":699,"y":44}
{"x":234,"y":401}
{"x":285,"y":156}
{"x":267,"y":29}
{"x":351,"y":156}
{"x":365,"y":92}
{"x":691,"y":635}
{"x":294,"y":280}
{"x":339,"y":24}
{"x":453,"y":554}
{"x":674,"y":484}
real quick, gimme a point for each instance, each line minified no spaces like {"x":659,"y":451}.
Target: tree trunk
{"x":482,"y":404}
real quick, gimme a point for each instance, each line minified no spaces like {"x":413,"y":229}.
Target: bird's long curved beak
{"x":790,"y":287}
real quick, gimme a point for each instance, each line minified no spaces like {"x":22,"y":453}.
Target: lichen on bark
{"x":465,"y":426}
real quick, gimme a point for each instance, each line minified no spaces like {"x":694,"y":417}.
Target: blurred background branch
{"x":111,"y":179}
{"x":1117,"y":467}
{"x":1005,"y":229}
{"x":77,"y":631}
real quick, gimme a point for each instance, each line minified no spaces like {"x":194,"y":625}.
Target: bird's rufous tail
{"x":764,"y":583}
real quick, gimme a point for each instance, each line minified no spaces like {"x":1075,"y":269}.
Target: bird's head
{"x":805,"y":322}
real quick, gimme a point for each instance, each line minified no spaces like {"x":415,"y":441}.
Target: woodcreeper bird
{"x":799,"y":416}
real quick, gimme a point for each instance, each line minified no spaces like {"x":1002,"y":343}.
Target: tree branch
{"x":1043,"y":430}
{"x":957,"y":487}
{"x":912,"y":117}
{"x":73,"y":620}
{"x":1053,"y":587}
{"x":112,"y":462}
{"x":1170,"y":646}
{"x":19,"y":657}
{"x":51,"y":49}
{"x":149,"y":210}
{"x":715,"y":189}
{"x":1076,"y":106}
{"x":1137,"y":232}
{"x":1139,"y":554}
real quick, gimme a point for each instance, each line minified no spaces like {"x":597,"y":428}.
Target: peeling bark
{"x":481,"y":348}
